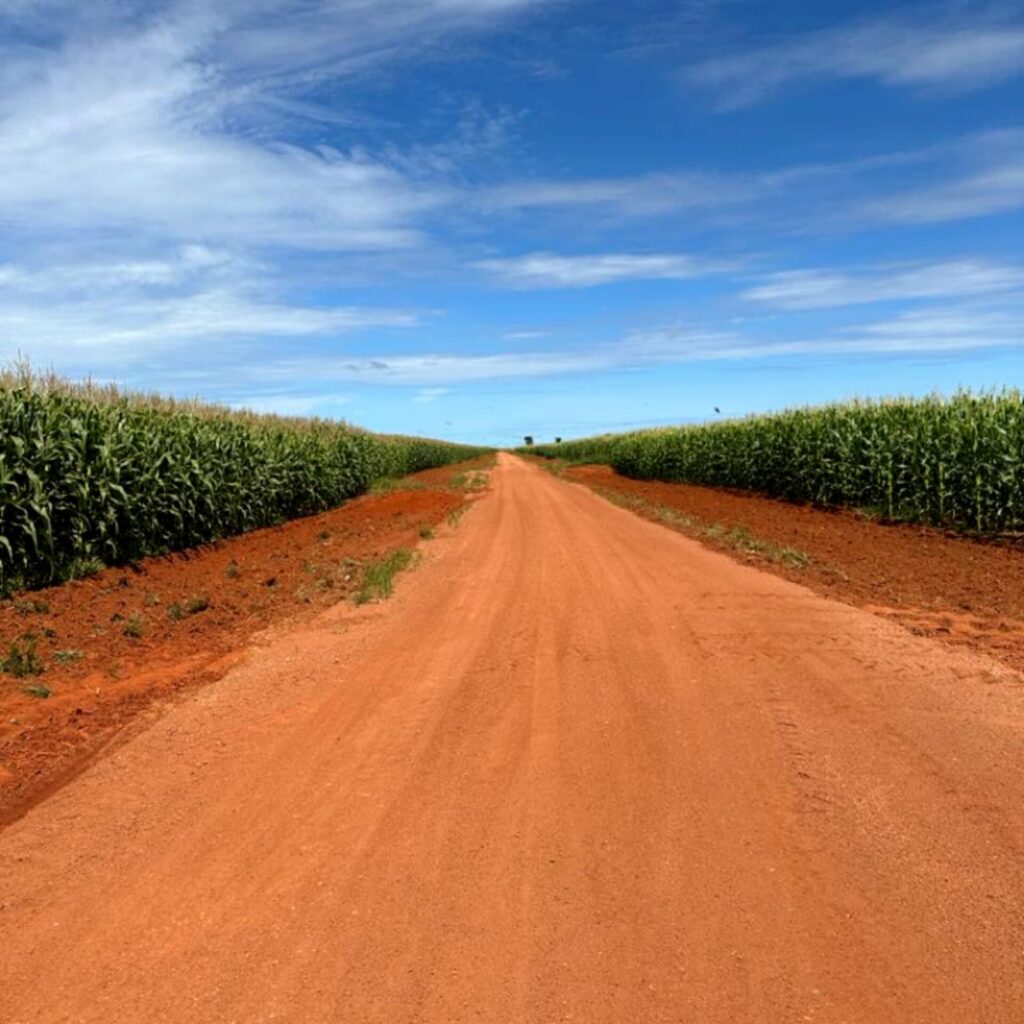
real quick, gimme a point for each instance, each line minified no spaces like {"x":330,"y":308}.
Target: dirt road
{"x":579,"y":768}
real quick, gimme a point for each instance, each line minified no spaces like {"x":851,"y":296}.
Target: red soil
{"x":580,"y":768}
{"x":933,"y":582}
{"x":250,"y":583}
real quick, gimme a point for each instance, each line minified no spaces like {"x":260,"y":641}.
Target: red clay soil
{"x":579,"y":768}
{"x":935,"y":583}
{"x":195,"y":612}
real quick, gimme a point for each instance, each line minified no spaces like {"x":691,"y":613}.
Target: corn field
{"x":90,"y":476}
{"x":956,"y":462}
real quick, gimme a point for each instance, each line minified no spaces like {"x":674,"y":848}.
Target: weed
{"x":390,"y":483}
{"x":27,"y":606}
{"x":38,"y":690}
{"x":195,"y":605}
{"x":738,"y":538}
{"x":232,"y":571}
{"x":426,"y":533}
{"x":741,"y":539}
{"x":134,"y":628}
{"x":379,"y":576}
{"x":474,"y":480}
{"x":68,"y":657}
{"x":175,"y":612}
{"x":84,"y":568}
{"x":151,"y":600}
{"x":22,"y":658}
{"x":455,"y":515}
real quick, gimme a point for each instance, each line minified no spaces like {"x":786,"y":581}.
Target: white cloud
{"x":187,"y":264}
{"x":934,"y":331}
{"x":822,"y":289}
{"x":129,"y":136}
{"x":995,"y":188}
{"x":946,"y":55}
{"x":149,"y":201}
{"x":153,"y":126}
{"x":336,"y":37}
{"x":107,"y":329}
{"x":430,"y":394}
{"x":549,"y":270}
{"x":643,"y":195}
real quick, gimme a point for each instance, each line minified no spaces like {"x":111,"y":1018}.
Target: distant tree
{"x":558,"y":440}
{"x":528,"y":440}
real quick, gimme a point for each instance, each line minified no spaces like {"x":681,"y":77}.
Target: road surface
{"x":579,"y":769}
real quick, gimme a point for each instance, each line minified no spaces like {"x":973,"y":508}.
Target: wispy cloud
{"x":332,"y":38}
{"x":163,"y":204}
{"x":641,"y":195}
{"x":941,"y":54}
{"x":155,"y":125}
{"x":700,"y":193}
{"x":987,"y":177}
{"x":822,"y":289}
{"x":104,"y":330}
{"x":935,"y":331}
{"x":549,"y":270}
{"x":430,"y":394}
{"x":183,"y":265}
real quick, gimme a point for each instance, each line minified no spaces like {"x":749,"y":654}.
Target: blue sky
{"x":480,"y":219}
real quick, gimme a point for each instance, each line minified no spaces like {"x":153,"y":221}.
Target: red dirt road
{"x":579,"y":768}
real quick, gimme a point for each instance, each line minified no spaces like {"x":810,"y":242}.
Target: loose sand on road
{"x":579,"y":768}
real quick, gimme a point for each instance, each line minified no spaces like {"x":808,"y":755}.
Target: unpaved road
{"x":579,"y":768}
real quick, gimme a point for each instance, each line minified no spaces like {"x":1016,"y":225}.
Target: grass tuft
{"x":379,"y":577}
{"x":736,"y":538}
{"x":134,"y":628}
{"x":22,"y":658}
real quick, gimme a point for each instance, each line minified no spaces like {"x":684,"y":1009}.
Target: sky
{"x":481,"y":219}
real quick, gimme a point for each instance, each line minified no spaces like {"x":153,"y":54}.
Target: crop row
{"x":955,"y":462}
{"x":90,"y":476}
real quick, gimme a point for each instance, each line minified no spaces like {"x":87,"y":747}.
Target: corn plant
{"x":956,"y":462}
{"x":92,"y":477}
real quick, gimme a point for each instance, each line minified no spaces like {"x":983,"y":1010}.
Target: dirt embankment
{"x":111,"y":645}
{"x":933,"y":582}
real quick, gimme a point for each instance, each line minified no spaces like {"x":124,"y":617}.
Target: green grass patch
{"x":134,"y":628}
{"x":736,"y":538}
{"x":379,"y":577}
{"x":22,"y":658}
{"x":391,"y":483}
{"x":453,"y":518}
{"x":469,"y":480}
